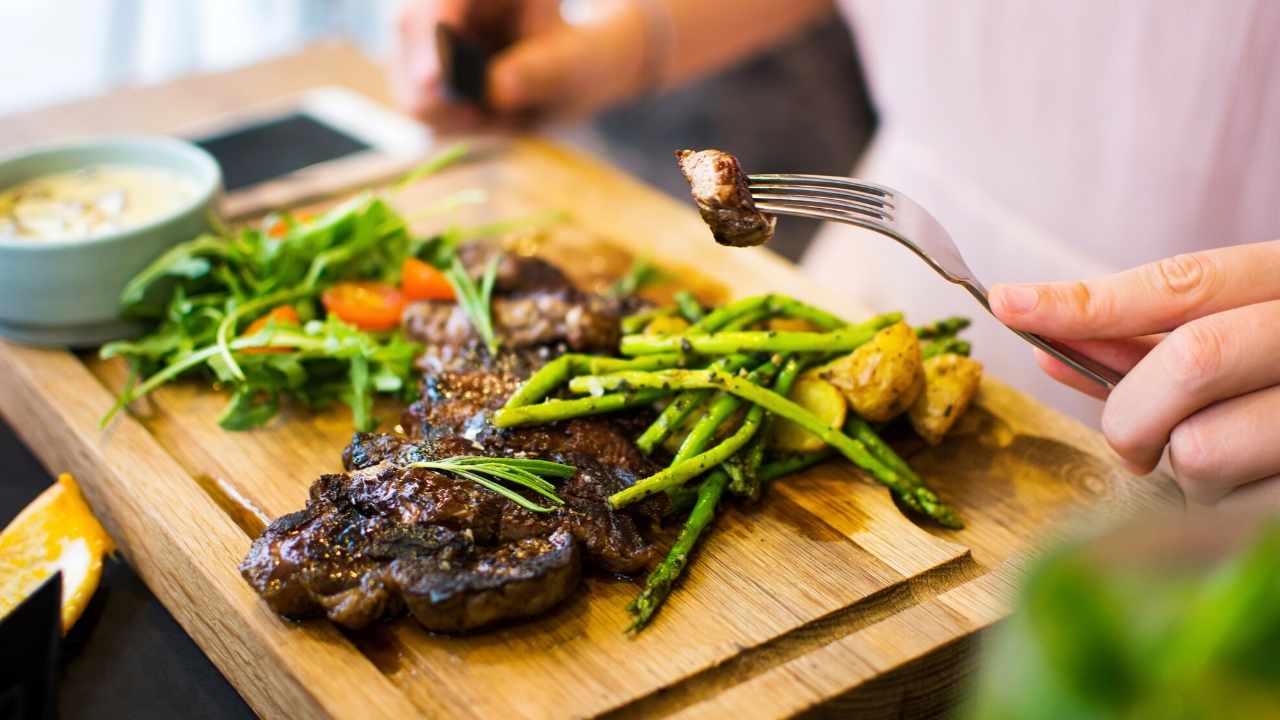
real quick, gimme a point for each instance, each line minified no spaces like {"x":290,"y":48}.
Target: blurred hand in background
{"x":547,"y":67}
{"x":574,"y":58}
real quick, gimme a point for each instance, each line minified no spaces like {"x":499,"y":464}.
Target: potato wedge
{"x":818,"y":397}
{"x":666,"y":325}
{"x":788,"y":324}
{"x":950,"y":382}
{"x":882,"y":378}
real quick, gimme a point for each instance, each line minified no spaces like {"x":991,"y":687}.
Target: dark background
{"x":802,"y":107}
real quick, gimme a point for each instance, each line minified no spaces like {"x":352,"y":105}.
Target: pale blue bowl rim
{"x":209,"y":178}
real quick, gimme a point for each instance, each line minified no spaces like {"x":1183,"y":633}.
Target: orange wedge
{"x":57,"y":531}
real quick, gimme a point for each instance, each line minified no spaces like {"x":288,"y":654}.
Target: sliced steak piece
{"x":584,"y":324}
{"x":384,"y":537}
{"x":723,"y":197}
{"x":354,"y":566}
{"x":518,"y":579}
{"x":534,"y":305}
{"x":417,"y":496}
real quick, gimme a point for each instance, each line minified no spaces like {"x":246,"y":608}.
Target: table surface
{"x":127,"y":657}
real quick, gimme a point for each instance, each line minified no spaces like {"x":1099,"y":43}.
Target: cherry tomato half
{"x":281,"y":315}
{"x":367,"y":305}
{"x":422,"y":281}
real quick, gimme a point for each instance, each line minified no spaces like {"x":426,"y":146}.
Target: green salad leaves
{"x":200,"y":294}
{"x":243,"y":309}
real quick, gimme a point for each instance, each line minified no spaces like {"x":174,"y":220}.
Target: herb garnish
{"x":492,"y":471}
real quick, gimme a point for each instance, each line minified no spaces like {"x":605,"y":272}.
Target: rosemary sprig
{"x":491,"y":472}
{"x":475,"y":301}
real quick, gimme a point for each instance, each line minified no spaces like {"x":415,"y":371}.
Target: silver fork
{"x":891,"y":213}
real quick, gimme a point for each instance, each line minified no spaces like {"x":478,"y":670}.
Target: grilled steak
{"x":534,"y":305}
{"x":720,"y":190}
{"x":384,"y":538}
{"x":343,"y":558}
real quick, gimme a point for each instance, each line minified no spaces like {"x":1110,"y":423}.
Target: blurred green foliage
{"x":1095,"y":640}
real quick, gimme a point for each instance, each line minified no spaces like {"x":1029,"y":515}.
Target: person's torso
{"x":1060,"y":141}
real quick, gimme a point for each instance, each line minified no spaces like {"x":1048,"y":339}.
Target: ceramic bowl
{"x":66,"y":292}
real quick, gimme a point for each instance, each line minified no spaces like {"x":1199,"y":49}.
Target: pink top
{"x":1061,"y":140}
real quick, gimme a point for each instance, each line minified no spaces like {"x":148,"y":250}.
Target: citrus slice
{"x":57,"y":531}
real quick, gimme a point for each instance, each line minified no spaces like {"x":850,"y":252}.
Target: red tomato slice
{"x":282,"y":315}
{"x":367,"y":305}
{"x":422,"y":281}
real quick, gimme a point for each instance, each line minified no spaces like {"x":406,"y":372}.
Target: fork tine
{"x":830,"y":181}
{"x":824,"y":210}
{"x":828,"y":197}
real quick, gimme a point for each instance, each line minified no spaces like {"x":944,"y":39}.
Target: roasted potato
{"x":788,"y":324}
{"x":818,"y":397}
{"x":950,"y":382}
{"x":882,"y":378}
{"x":666,"y":325}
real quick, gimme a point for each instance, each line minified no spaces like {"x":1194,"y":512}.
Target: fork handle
{"x":1070,"y":357}
{"x":1077,"y":361}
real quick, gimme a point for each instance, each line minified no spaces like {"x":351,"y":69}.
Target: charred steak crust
{"x":384,"y":538}
{"x":723,"y":198}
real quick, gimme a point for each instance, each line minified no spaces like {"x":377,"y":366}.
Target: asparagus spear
{"x":862,"y":431}
{"x":552,"y":410}
{"x":946,"y":327}
{"x":718,"y":412}
{"x":913,"y":494}
{"x":943,"y":346}
{"x":723,"y":315}
{"x":542,"y":383}
{"x":636,"y":322}
{"x":748,"y":481}
{"x":685,"y":470}
{"x":790,"y":307}
{"x":680,"y":408}
{"x":724,"y":343}
{"x":792,"y":463}
{"x":675,"y":413}
{"x":688,"y":306}
{"x":550,"y":376}
{"x":658,"y":585}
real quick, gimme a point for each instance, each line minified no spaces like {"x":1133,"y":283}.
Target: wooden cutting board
{"x":821,"y":598}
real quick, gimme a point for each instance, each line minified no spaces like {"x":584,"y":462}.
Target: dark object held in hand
{"x":720,"y":189}
{"x":464,"y":64}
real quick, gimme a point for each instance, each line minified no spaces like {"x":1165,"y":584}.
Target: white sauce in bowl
{"x":90,"y":202}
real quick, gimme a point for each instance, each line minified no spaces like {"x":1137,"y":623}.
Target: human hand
{"x":549,"y":68}
{"x":1199,"y":336}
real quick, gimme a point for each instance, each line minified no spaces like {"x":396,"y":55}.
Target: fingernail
{"x":1020,"y":299}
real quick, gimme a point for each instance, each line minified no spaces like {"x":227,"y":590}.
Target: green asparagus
{"x":543,"y":382}
{"x":788,"y":464}
{"x":636,"y":322}
{"x":553,"y":410}
{"x":681,"y":472}
{"x":861,"y":430}
{"x":718,"y":412}
{"x":689,"y":306}
{"x":913,"y":495}
{"x":748,"y":481}
{"x":724,"y":343}
{"x":658,"y":585}
{"x":946,"y":327}
{"x":944,"y":346}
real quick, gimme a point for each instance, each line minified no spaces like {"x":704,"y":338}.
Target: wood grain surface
{"x":823,"y":598}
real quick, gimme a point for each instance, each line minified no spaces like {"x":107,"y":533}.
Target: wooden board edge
{"x":910,"y":644}
{"x":150,"y":505}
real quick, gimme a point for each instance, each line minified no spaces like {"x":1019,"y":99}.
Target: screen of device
{"x":268,"y":149}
